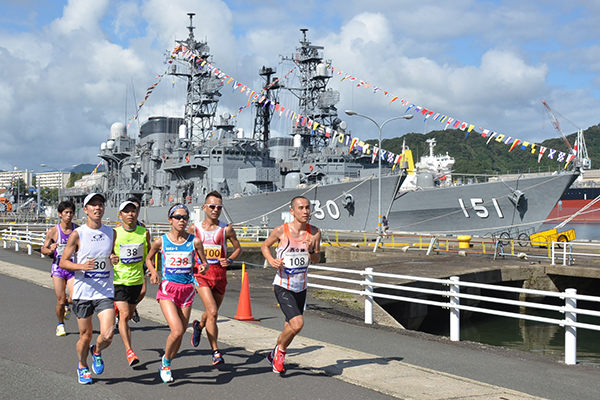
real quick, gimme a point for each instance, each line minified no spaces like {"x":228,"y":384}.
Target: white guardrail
{"x":454,"y":295}
{"x":566,"y":253}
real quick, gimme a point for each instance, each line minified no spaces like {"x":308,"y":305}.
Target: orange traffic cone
{"x":244,"y":310}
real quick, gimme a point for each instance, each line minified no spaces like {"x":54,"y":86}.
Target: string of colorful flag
{"x":260,"y":98}
{"x":462,"y":125}
{"x":148,"y":93}
{"x":355,"y":142}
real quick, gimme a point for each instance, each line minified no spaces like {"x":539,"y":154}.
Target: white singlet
{"x":94,"y":244}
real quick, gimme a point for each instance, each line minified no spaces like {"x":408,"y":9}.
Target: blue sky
{"x":70,"y":68}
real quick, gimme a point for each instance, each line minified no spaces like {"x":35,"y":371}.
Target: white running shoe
{"x":165,"y":374}
{"x":60,"y":330}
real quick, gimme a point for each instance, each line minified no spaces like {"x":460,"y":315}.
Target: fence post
{"x":565,"y":254}
{"x":17,"y":238}
{"x":570,"y":331}
{"x":368,"y":297}
{"x":29,"y":244}
{"x":454,"y":312}
{"x":551,"y":252}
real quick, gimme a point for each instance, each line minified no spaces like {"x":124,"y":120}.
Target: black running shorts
{"x":130,"y":294}
{"x":291,"y":303}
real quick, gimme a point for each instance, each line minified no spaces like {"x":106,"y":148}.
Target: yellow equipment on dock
{"x":544,"y":238}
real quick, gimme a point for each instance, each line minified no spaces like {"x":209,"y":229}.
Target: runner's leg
{"x":211,"y":301}
{"x":178,"y":319}
{"x":85,"y":338}
{"x":61,"y":298}
{"x":107,"y":329}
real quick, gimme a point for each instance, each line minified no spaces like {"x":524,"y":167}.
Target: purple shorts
{"x":61,"y":273}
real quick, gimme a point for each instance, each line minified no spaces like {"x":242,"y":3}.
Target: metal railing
{"x":450,"y":289}
{"x":28,"y":237}
{"x":564,"y":251}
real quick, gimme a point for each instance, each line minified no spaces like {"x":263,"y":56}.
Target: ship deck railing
{"x":449,"y":294}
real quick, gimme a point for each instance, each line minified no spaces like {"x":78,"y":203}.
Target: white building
{"x":53,"y":180}
{"x":10,"y":178}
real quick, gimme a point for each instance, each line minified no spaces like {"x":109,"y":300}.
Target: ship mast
{"x":316,"y":101}
{"x":264,"y":111}
{"x":202,"y":87}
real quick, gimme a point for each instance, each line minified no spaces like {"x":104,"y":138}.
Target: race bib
{"x":212,"y":253}
{"x":295,"y":263}
{"x":179,"y":262}
{"x":60,"y":249}
{"x":102,"y":267}
{"x":131,"y":253}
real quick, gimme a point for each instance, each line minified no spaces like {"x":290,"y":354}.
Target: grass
{"x":340,"y":298}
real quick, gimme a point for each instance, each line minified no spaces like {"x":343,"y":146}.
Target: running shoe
{"x":132,"y":358}
{"x":67,"y":312}
{"x":217,"y":358}
{"x":60,"y":330}
{"x":270,"y":357}
{"x":197,"y":333}
{"x":165,"y":372}
{"x":135,"y":317}
{"x":84,"y":375}
{"x":97,"y":363}
{"x":278,"y":360}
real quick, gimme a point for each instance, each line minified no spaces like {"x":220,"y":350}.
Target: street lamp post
{"x":380,"y":127}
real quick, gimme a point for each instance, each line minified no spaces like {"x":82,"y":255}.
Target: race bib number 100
{"x":212,"y":253}
{"x":179,"y":262}
{"x":295,"y":263}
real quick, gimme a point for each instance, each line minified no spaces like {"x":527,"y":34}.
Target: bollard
{"x":483,"y":247}
{"x":368,"y":296}
{"x":454,"y":312}
{"x":570,"y":331}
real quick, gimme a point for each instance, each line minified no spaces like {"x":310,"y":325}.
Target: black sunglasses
{"x":214,"y":206}
{"x":179,"y":217}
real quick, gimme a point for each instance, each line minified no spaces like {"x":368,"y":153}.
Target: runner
{"x":299,"y":245}
{"x":211,"y":286}
{"x":54,"y":245}
{"x":131,"y":246}
{"x":176,"y":291}
{"x":135,"y":317}
{"x":93,"y":288}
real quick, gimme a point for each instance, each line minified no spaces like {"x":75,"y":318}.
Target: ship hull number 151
{"x":480,"y":210}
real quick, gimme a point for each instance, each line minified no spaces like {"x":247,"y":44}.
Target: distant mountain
{"x":86,"y":168}
{"x":474,"y":156}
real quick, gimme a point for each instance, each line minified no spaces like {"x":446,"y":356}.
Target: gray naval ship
{"x":181,"y":159}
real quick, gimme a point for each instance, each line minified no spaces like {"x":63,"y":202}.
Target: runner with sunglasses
{"x":211,"y":286}
{"x":176,"y":291}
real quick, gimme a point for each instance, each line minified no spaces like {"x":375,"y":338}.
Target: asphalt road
{"x":31,"y":367}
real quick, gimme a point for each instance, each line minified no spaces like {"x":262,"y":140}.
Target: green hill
{"x":473,"y":156}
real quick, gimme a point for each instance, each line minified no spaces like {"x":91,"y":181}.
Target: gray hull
{"x":481,"y":209}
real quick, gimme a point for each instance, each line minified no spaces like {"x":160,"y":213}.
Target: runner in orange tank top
{"x":299,"y":245}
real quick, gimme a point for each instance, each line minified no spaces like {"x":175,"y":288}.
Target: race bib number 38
{"x":179,"y":262}
{"x":102,"y":268}
{"x":131,"y":253}
{"x":212,"y":253}
{"x":295,"y":263}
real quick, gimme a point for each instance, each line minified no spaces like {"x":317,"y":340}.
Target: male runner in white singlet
{"x":299,"y":246}
{"x":93,"y":289}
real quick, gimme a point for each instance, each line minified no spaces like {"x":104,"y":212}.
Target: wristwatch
{"x":230,"y":261}
{"x":311,"y":252}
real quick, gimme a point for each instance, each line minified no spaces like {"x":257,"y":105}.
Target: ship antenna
{"x":304,"y":30}
{"x":191,"y":27}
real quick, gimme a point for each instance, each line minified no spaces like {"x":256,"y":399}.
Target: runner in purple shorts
{"x":56,"y":239}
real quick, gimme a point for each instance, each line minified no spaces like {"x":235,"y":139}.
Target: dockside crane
{"x":579,"y":150}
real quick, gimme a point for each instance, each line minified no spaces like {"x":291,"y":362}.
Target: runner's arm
{"x":265,"y":249}
{"x":237,"y":248}
{"x":314,"y":247}
{"x":49,"y":244}
{"x":70,"y":249}
{"x":114,"y":258}
{"x":154,"y":249}
{"x":200,"y":252}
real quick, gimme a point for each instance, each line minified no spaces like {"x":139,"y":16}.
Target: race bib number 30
{"x":102,"y":268}
{"x":212,"y":253}
{"x":131,"y":253}
{"x":295,"y":263}
{"x":179,"y":262}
